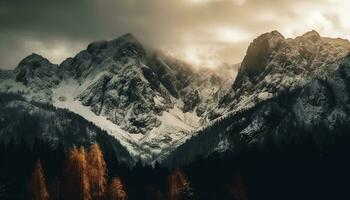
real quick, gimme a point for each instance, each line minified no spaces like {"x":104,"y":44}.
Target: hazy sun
{"x":232,"y":35}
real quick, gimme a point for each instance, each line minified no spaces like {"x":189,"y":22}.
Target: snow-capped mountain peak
{"x":35,"y":67}
{"x":153,"y":103}
{"x":148,"y":101}
{"x":274,"y":64}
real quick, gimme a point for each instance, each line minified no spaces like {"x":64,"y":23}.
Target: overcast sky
{"x":204,"y":32}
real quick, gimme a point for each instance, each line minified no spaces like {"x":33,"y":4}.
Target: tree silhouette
{"x":179,"y":186}
{"x":55,"y":189}
{"x":116,"y":190}
{"x":37,"y":186}
{"x":237,"y":189}
{"x":76,"y":182}
{"x":97,"y":172}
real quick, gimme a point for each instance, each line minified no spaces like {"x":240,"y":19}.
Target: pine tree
{"x":116,"y":190}
{"x":76,"y":183}
{"x":97,"y":172}
{"x":37,"y":186}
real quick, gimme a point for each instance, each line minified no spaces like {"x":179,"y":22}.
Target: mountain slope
{"x":315,"y":115}
{"x":24,"y":121}
{"x":147,"y":101}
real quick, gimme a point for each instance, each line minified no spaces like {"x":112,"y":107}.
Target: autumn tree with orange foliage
{"x":76,"y":181}
{"x":179,"y":186}
{"x":97,"y":172}
{"x":37,"y":186}
{"x":116,"y":190}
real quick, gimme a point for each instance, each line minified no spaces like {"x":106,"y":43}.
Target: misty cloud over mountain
{"x":197,"y":30}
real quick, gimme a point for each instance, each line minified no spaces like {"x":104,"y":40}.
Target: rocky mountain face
{"x":36,"y":71}
{"x":274,"y":64}
{"x":146,"y":100}
{"x":161,"y":109}
{"x":288,"y":93}
{"x":37,"y":75}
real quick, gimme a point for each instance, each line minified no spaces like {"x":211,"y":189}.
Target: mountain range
{"x":156,"y":108}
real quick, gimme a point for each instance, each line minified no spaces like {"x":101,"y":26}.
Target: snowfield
{"x":176,"y":126}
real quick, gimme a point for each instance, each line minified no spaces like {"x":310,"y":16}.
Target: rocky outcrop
{"x":274,"y":64}
{"x":34,"y":70}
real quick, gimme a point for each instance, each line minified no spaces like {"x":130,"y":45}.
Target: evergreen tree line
{"x":89,"y":173}
{"x":253,"y":175}
{"x":85,"y":176}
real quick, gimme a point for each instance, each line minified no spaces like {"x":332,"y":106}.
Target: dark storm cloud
{"x":197,"y":30}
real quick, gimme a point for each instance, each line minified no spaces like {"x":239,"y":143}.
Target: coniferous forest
{"x":89,"y":173}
